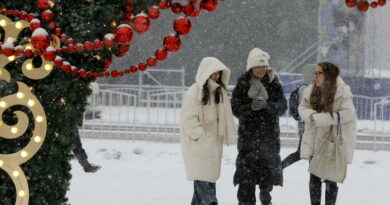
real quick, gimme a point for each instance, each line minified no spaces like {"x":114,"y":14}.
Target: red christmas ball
{"x":188,"y":9}
{"x":64,"y":48}
{"x":177,"y":8}
{"x":350,"y":3}
{"x":142,"y":66}
{"x":74,"y":70}
{"x":141,"y":23}
{"x":30,"y":17}
{"x":63,"y":37}
{"x":88,"y":46}
{"x":98,"y":44}
{"x":82,"y":73}
{"x":172,"y":43}
{"x":35,"y":23}
{"x":374,"y":4}
{"x":52,"y":25}
{"x":129,"y":8}
{"x":79,"y":47}
{"x":109,"y":40}
{"x":363,"y":5}
{"x":23,"y":15}
{"x":28,"y":53}
{"x":124,"y":47}
{"x":209,"y":5}
{"x":163,"y":5}
{"x":58,"y":31}
{"x":151,"y":61}
{"x":47,"y":15}
{"x":18,"y":50}
{"x":66,"y":66}
{"x":124,"y":33}
{"x":182,"y":25}
{"x":40,"y":39}
{"x":133,"y":69}
{"x":50,"y":53}
{"x":161,"y":54}
{"x":195,"y":13}
{"x":114,"y":73}
{"x":43,"y":4}
{"x":381,"y":2}
{"x":58,"y":61}
{"x":108,"y":61}
{"x":70,"y":48}
{"x":120,"y":73}
{"x":154,"y":12}
{"x":8,"y":49}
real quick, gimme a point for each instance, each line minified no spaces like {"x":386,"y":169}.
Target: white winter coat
{"x":201,"y":146}
{"x":315,"y":132}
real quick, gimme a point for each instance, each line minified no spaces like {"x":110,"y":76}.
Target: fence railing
{"x":153,"y":113}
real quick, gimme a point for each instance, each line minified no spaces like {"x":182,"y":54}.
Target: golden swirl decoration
{"x":10,"y":163}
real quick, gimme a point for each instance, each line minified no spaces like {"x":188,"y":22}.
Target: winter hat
{"x":308,"y":73}
{"x":257,"y":57}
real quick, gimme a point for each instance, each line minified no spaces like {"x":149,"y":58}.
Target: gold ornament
{"x":10,"y":163}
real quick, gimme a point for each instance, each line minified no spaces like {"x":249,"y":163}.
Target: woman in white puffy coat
{"x":206,"y":121}
{"x":321,"y":101}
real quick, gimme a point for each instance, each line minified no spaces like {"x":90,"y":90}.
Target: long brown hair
{"x":322,"y":98}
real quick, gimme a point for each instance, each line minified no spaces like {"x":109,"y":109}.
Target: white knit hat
{"x":257,"y":57}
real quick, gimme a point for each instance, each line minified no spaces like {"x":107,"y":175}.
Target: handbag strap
{"x":339,"y":133}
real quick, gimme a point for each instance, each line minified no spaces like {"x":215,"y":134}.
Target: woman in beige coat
{"x":206,"y":121}
{"x":321,"y":102}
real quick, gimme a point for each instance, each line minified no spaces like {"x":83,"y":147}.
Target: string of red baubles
{"x":364,"y":5}
{"x":122,"y":36}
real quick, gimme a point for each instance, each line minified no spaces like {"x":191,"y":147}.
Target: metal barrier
{"x":153,"y":113}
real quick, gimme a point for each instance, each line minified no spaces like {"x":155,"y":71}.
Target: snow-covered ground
{"x":142,"y":173}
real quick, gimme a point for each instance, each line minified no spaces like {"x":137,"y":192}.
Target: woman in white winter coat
{"x":321,"y":102}
{"x":206,"y":122}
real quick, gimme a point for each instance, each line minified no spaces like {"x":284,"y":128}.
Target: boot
{"x":315,"y":190}
{"x":91,"y":168}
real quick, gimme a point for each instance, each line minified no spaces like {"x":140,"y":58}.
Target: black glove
{"x":258,"y":104}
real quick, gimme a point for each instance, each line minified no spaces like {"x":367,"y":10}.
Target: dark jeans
{"x":204,"y":193}
{"x":315,"y":187}
{"x":79,"y":151}
{"x":246,"y":194}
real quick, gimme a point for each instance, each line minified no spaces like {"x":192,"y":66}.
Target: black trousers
{"x":315,"y":187}
{"x":246,"y":194}
{"x":205,"y":193}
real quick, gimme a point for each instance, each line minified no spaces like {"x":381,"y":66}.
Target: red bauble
{"x":124,"y":33}
{"x":23,"y":15}
{"x":124,"y":47}
{"x":47,"y":15}
{"x":63,"y":37}
{"x":66,"y":66}
{"x":88,"y":46}
{"x":58,"y":61}
{"x":209,"y":5}
{"x":70,"y":48}
{"x":40,"y":39}
{"x":154,"y":12}
{"x":79,"y":47}
{"x":18,"y":50}
{"x":109,"y":40}
{"x":188,"y":9}
{"x":195,"y":13}
{"x":182,"y":25}
{"x":108,"y":61}
{"x":74,"y":70}
{"x":172,"y":43}
{"x":161,"y":54}
{"x":163,"y":5}
{"x":8,"y":49}
{"x":71,"y":41}
{"x":114,"y":73}
{"x":43,"y":4}
{"x":50,"y":53}
{"x":28,"y":53}
{"x":381,"y":2}
{"x":82,"y":73}
{"x":141,"y":23}
{"x":35,"y":23}
{"x":58,"y":31}
{"x":363,"y":5}
{"x":374,"y":4}
{"x":151,"y":62}
{"x":350,"y":3}
{"x":120,"y":73}
{"x":177,"y":8}
{"x":133,"y":69}
{"x":129,"y":8}
{"x":52,"y":25}
{"x":142,"y":66}
{"x":30,"y":17}
{"x":98,"y":44}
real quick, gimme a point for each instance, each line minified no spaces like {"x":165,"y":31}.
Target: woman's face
{"x":215,"y":76}
{"x":259,"y":71}
{"x":319,"y":77}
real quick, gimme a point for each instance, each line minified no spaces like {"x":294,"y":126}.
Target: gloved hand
{"x":258,"y":104}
